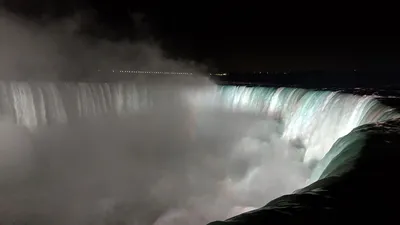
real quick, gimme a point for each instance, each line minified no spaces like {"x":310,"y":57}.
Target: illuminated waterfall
{"x":316,"y":118}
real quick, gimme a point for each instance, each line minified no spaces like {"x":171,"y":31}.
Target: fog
{"x":180,"y":161}
{"x":62,"y":49}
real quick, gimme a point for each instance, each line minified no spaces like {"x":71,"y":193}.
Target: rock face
{"x":357,"y":183}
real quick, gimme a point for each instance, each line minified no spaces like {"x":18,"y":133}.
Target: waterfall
{"x":316,"y":119}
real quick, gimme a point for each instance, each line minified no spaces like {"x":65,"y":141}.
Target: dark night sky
{"x":245,"y":37}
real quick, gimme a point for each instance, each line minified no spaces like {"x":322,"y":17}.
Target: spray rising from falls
{"x":204,"y":148}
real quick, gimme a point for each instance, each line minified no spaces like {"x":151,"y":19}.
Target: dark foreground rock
{"x":358,"y":185}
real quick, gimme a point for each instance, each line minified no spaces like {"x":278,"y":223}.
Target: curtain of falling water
{"x":315,"y":118}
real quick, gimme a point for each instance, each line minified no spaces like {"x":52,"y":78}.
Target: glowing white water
{"x":95,"y":150}
{"x":315,"y":119}
{"x":229,"y":125}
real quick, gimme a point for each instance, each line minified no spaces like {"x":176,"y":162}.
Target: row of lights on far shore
{"x":150,"y":72}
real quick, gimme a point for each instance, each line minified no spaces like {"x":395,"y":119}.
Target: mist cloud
{"x":173,"y":162}
{"x":61,"y":49}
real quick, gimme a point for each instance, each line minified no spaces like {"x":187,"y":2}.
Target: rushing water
{"x":255,"y":142}
{"x":314,"y":118}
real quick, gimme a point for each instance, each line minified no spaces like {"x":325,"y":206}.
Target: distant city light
{"x":220,"y":74}
{"x":150,"y":72}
